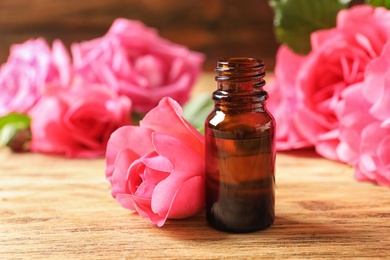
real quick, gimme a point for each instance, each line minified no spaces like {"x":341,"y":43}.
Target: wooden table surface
{"x":58,"y":208}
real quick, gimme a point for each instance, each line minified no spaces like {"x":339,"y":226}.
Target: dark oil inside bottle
{"x":240,"y":151}
{"x":240,"y":183}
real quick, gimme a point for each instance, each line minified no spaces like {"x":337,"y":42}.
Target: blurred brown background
{"x":218,"y":28}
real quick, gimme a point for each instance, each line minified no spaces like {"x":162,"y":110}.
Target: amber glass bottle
{"x":240,"y":150}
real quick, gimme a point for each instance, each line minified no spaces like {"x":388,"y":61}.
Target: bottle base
{"x":239,"y":230}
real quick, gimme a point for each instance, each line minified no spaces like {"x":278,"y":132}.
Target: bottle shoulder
{"x":240,"y":125}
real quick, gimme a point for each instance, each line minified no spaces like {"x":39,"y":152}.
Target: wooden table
{"x":53,"y":207}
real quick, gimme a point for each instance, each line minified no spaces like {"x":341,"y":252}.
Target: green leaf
{"x":136,"y":117}
{"x":10,"y":125}
{"x":196,"y":110}
{"x":383,"y":3}
{"x":295,"y":20}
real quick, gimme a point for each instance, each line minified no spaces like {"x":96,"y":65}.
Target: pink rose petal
{"x":168,"y":114}
{"x":185,"y":168}
{"x":127,"y":137}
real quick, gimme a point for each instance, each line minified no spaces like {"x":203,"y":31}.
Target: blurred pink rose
{"x":364,"y":116}
{"x":338,"y":60}
{"x":376,"y":87}
{"x":309,"y":88}
{"x":29,"y":68}
{"x":134,"y":61}
{"x":374,"y":157}
{"x":157,"y":169}
{"x":77,"y":121}
{"x":283,"y":99}
{"x":353,"y":114}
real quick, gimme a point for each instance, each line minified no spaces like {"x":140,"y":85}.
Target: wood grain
{"x":56,"y":208}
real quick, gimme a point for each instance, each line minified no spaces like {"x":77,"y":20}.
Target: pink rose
{"x":376,"y":87}
{"x":353,"y":114}
{"x":364,"y":116}
{"x":339,"y":100}
{"x":29,"y":68}
{"x":374,"y":158}
{"x":77,"y":121}
{"x":338,"y":60}
{"x":134,"y":61}
{"x":283,"y":98}
{"x":157,"y":169}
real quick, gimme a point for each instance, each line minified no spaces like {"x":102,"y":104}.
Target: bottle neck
{"x":240,"y":84}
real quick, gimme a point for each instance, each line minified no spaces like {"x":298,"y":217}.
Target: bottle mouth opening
{"x":239,"y":68}
{"x":240,"y":61}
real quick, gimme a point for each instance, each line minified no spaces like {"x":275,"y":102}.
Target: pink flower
{"x":376,"y":87}
{"x":374,"y":158}
{"x":29,"y":68}
{"x":309,"y":89}
{"x":134,"y":61}
{"x":337,"y":61}
{"x":337,"y":98}
{"x":283,"y":98}
{"x":364,"y":116}
{"x":77,"y":121}
{"x":157,"y":169}
{"x":353,"y":114}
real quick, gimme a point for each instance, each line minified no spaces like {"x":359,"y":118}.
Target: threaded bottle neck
{"x":240,"y":69}
{"x":240,"y":84}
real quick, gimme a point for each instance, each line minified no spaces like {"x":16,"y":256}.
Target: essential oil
{"x":240,"y":150}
